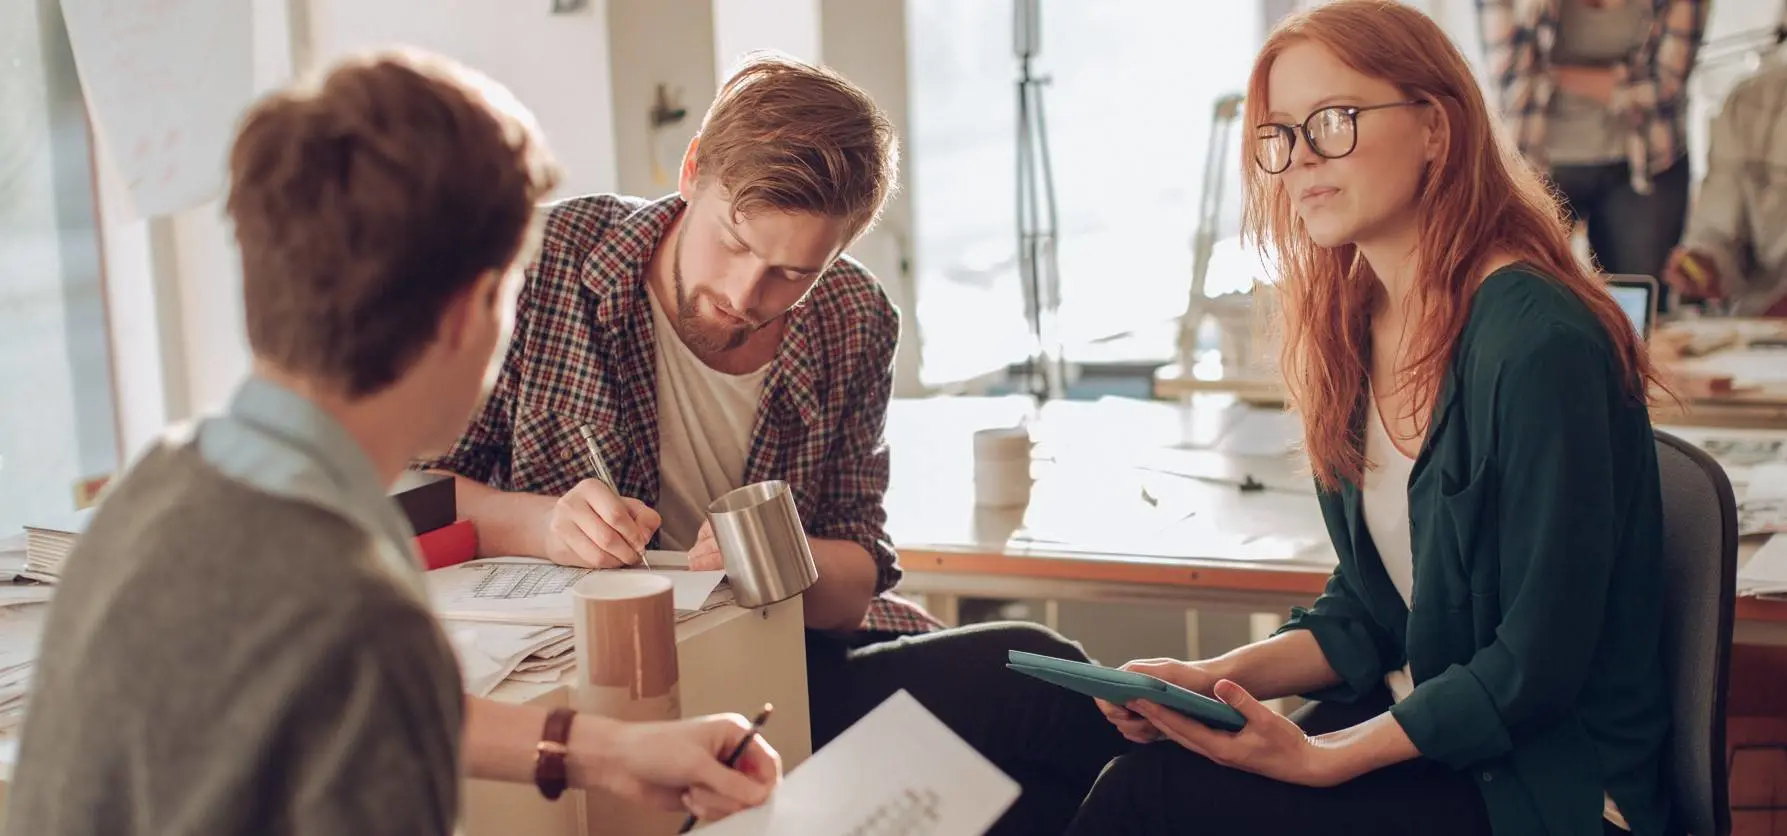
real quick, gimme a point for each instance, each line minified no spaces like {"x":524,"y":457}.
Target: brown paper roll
{"x":625,"y":642}
{"x":626,"y":634}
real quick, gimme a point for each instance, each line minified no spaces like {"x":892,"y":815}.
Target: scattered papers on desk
{"x":1763,"y":506}
{"x":491,"y":653}
{"x":1745,"y":451}
{"x":1703,"y":336}
{"x":1766,"y":572}
{"x":1747,"y":366}
{"x":526,"y":590}
{"x":898,"y":772}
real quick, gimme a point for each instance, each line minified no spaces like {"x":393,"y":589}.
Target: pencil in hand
{"x":736,"y":753}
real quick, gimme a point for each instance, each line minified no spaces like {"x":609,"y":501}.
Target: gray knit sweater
{"x":220,"y":660}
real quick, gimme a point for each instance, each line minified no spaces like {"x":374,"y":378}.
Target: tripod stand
{"x":1044,"y":371}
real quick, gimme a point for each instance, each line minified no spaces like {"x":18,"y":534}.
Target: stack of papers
{"x":12,"y":556}
{"x":491,"y":653}
{"x":1766,"y":573}
{"x":526,"y":590}
{"x":48,"y":544}
{"x":22,"y":611}
{"x":898,"y":772}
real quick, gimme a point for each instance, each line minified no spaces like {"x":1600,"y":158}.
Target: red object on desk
{"x":454,"y":543}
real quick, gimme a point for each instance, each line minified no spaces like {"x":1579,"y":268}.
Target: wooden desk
{"x":1758,"y":401}
{"x":1758,"y":404}
{"x":950,"y":547}
{"x":1174,"y":381}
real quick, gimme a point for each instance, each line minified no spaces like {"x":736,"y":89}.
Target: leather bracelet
{"x":550,"y":772}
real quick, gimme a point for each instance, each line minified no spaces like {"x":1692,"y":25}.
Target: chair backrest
{"x":1700,"y":581}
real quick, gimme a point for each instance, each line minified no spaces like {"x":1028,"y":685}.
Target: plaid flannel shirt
{"x":583,"y":355}
{"x":1650,"y":90}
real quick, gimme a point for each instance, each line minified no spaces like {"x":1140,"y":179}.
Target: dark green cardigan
{"x":1536,"y":521}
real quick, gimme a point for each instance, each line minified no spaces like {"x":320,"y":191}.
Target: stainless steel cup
{"x":762,"y":544}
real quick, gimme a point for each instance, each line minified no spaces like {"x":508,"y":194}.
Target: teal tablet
{"x":1119,"y":687}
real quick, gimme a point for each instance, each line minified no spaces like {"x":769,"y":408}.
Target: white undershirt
{"x":1385,"y":496}
{"x":705,"y":422}
{"x":1386,"y":501}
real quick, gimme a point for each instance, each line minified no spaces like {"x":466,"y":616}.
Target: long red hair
{"x":1479,"y":199}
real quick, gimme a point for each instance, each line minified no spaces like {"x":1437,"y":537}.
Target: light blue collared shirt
{"x":280,"y":442}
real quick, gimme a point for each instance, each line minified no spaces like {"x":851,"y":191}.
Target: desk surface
{"x":1090,"y":518}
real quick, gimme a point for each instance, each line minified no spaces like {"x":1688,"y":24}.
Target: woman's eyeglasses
{"x":1332,"y":133}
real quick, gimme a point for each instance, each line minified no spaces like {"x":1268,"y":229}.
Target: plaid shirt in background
{"x":583,"y":355}
{"x":1651,"y":89}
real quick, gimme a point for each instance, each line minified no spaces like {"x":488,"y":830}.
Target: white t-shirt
{"x":1385,"y":498}
{"x":706,"y":420}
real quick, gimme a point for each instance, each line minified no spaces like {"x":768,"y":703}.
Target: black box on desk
{"x":426,"y":499}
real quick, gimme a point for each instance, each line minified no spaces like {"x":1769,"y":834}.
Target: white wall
{"x":658,"y":42}
{"x":790,"y":26}
{"x":557,"y":65}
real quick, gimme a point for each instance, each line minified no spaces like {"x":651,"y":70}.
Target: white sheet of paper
{"x":664,"y":559}
{"x":898,"y":772}
{"x":166,"y":82}
{"x":526,"y":590}
{"x":1766,"y":481}
{"x":1767,"y":570}
{"x":1261,"y":432}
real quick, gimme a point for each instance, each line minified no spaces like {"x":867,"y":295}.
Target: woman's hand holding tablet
{"x":1122,"y":687}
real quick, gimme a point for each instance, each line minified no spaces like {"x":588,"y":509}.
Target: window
{"x":57,"y":425}
{"x":1129,"y":107}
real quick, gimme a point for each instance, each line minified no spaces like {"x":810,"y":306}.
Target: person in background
{"x":720,"y":336}
{"x":1735,"y":250}
{"x":1595,"y":94}
{"x":242,"y":642}
{"x":1484,"y":657}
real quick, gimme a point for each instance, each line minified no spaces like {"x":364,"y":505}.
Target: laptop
{"x":1637,"y":296}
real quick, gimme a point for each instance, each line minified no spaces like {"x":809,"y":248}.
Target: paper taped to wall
{"x":166,"y":81}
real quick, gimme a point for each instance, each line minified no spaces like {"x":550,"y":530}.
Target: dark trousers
{"x":1165,"y":788}
{"x":1629,"y":232}
{"x":1052,"y":741}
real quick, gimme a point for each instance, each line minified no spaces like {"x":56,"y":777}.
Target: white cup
{"x":1002,"y":444}
{"x":1002,"y":467}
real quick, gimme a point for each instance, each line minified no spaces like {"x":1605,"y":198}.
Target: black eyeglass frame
{"x":1290,"y":132}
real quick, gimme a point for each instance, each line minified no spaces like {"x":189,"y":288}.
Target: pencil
{"x":737,"y":752}
{"x":602,"y":474}
{"x":1694,"y":273}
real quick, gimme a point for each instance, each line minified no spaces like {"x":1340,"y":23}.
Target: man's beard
{"x":699,"y":333}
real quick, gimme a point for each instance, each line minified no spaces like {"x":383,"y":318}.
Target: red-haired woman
{"x":1474,"y":404}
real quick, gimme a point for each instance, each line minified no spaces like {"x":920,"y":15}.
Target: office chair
{"x":1700,"y":572}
